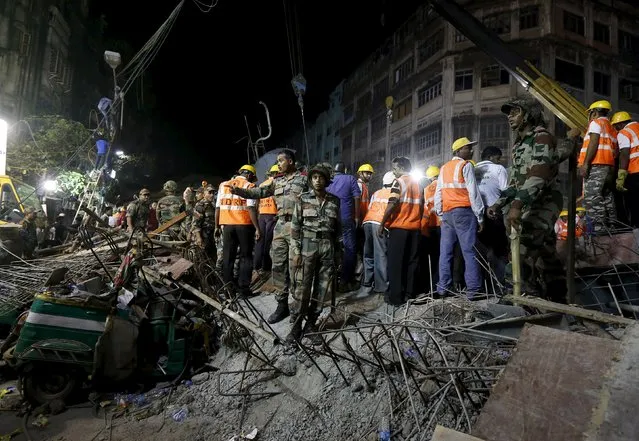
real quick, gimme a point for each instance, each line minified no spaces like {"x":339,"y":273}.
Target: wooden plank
{"x":549,"y":388}
{"x":444,"y":434}
{"x":577,"y":311}
{"x":614,"y":418}
{"x":168,"y":224}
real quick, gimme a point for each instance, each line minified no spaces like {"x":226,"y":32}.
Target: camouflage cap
{"x":530,"y":106}
{"x":322,"y":170}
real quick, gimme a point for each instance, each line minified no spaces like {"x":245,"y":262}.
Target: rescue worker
{"x":596,"y":165}
{"x":375,"y":275}
{"x":364,"y":175}
{"x":346,"y":189}
{"x":286,"y":190}
{"x":430,"y":231}
{"x":239,"y":217}
{"x":168,"y":207}
{"x":202,"y":226}
{"x":532,"y":201}
{"x":28,"y":233}
{"x":315,"y":235}
{"x":459,"y":203}
{"x":403,"y":217}
{"x":584,"y":222}
{"x":188,"y":198}
{"x":137,"y":213}
{"x":262,"y":262}
{"x":561,"y":226}
{"x":628,"y":173}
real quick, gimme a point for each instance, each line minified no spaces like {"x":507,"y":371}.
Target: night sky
{"x":215,"y":67}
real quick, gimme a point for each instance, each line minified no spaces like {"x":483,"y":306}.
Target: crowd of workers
{"x":321,"y":230}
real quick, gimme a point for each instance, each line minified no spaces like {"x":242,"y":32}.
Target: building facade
{"x":444,"y":87}
{"x":42,"y":43}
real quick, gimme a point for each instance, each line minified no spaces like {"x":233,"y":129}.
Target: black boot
{"x":310,"y":327}
{"x":296,"y":331}
{"x":280,"y":313}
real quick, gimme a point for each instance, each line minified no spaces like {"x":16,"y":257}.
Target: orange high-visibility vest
{"x":233,"y":208}
{"x":562,"y":234}
{"x":429,"y":218}
{"x":365,"y":199}
{"x":267,"y":205}
{"x":454,"y":189}
{"x":411,"y":205}
{"x":631,"y":131}
{"x":377,"y":206}
{"x":607,"y":149}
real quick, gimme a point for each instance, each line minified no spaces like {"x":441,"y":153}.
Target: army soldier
{"x":315,"y":233}
{"x":137,"y":213}
{"x":203,"y":222}
{"x":189,"y":203}
{"x":170,"y":206}
{"x":532,"y":199}
{"x":286,"y":190}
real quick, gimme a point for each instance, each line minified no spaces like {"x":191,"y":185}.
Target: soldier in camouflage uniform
{"x":203,"y":223}
{"x":532,"y":199}
{"x":137,"y":213}
{"x":286,"y":190}
{"x":170,"y":206}
{"x":315,"y":234}
{"x":189,"y":203}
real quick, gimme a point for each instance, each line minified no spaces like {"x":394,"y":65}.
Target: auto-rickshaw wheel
{"x":42,"y":384}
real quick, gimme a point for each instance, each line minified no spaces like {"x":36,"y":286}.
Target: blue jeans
{"x":375,"y":260}
{"x":350,"y":250}
{"x":459,"y":224}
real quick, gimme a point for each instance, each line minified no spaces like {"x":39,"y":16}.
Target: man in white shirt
{"x":492,"y":178}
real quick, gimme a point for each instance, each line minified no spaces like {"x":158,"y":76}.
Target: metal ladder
{"x":89,"y":192}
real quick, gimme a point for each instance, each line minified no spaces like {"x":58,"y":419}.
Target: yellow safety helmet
{"x":274,"y":169}
{"x":563,"y":213}
{"x":432,"y":171}
{"x":248,"y":168}
{"x":620,"y":117}
{"x":462,"y":142}
{"x":581,"y":210}
{"x":365,"y":168}
{"x":601,"y":104}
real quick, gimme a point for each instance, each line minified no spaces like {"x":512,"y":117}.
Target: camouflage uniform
{"x":534,"y":188}
{"x":286,"y":190}
{"x":315,"y":230}
{"x":168,"y":207}
{"x":204,"y":222}
{"x":189,"y":204}
{"x":29,"y":237}
{"x":139,"y":212}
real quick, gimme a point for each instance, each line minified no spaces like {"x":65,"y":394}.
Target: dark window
{"x":404,"y":70}
{"x":349,"y":112}
{"x":463,"y":80}
{"x":364,"y":102}
{"x":462,"y":127}
{"x":628,"y":43}
{"x":381,"y":88}
{"x":431,"y":46}
{"x":348,"y":141}
{"x":601,"y":83}
{"x":601,"y":33}
{"x":569,"y":73}
{"x":378,"y":126}
{"x":499,"y":23}
{"x":401,"y":148}
{"x":494,"y":76}
{"x":528,"y":17}
{"x":427,"y":141}
{"x":573,"y":23}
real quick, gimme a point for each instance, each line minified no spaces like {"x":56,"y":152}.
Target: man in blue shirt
{"x":346,"y":189}
{"x":102,"y":147}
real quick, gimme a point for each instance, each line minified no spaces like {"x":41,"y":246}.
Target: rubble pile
{"x":410,"y":373}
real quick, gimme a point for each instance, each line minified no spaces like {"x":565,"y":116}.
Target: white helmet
{"x":388,"y":178}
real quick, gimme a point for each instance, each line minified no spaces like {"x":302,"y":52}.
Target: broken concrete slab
{"x":444,"y":434}
{"x":567,"y":386}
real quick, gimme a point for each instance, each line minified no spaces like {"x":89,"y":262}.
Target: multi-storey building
{"x":324,"y":134}
{"x":444,"y":87}
{"x":42,"y":42}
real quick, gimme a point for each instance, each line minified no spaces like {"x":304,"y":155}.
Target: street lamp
{"x":50,"y":186}
{"x":4,"y":131}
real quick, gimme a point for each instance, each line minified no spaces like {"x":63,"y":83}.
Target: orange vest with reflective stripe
{"x":377,"y":206}
{"x":454,"y":190}
{"x":607,"y":149}
{"x":411,"y":205}
{"x":429,"y":218}
{"x":631,"y":131}
{"x":233,"y":208}
{"x":562,"y":234}
{"x":267,"y":205}
{"x":363,"y":205}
